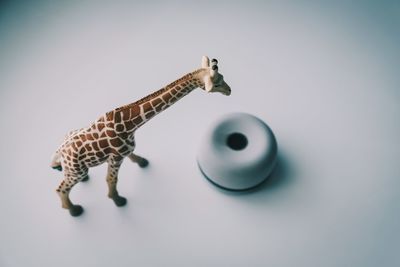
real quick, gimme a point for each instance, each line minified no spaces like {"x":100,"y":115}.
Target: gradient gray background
{"x":324,"y":76}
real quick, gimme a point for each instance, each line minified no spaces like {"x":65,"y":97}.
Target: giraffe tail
{"x":56,"y":161}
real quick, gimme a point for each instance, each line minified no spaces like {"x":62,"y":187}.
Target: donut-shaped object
{"x":238,"y":153}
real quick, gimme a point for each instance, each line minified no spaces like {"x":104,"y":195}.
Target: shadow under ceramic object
{"x":238,"y":153}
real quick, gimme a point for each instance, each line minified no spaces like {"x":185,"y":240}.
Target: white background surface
{"x":323,"y":76}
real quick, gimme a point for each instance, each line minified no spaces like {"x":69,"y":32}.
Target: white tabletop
{"x":324,"y":77}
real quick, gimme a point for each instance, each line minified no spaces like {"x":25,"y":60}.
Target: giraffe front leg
{"x":112,"y":179}
{"x":142,"y":162}
{"x":63,"y":191}
{"x":85,"y":178}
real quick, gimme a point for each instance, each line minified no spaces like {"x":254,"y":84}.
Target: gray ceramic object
{"x":238,"y":153}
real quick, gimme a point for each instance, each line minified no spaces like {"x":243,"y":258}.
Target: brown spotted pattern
{"x":111,"y":138}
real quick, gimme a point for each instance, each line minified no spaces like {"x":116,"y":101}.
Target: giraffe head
{"x":213,"y":80}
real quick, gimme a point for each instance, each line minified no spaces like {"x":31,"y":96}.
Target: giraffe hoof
{"x":143,"y":163}
{"x":76,"y":210}
{"x":85,"y":179}
{"x":119,"y":201}
{"x":59,"y":168}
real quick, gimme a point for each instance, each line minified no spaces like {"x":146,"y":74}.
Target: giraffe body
{"x":111,"y":137}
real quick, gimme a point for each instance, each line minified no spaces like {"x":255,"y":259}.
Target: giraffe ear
{"x":205,"y":62}
{"x":208,"y":85}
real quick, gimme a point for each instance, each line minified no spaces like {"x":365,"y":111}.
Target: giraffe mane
{"x":161,"y":91}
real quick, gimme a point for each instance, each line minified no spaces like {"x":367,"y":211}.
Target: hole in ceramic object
{"x":236,"y":141}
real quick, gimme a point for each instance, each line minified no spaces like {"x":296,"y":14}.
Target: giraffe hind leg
{"x":76,"y":210}
{"x":63,"y":191}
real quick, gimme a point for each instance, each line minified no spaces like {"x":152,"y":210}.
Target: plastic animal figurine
{"x":111,"y":138}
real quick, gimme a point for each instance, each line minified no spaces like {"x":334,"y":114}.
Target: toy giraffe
{"x":111,"y":138}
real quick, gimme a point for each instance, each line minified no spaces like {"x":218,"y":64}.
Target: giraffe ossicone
{"x":111,"y":137}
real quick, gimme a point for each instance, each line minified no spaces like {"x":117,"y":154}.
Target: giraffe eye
{"x":218,"y":84}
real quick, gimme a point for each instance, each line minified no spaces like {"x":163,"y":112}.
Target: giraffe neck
{"x":134,"y":115}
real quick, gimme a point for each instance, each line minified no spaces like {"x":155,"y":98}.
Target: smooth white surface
{"x":237,"y":169}
{"x":323,"y":76}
